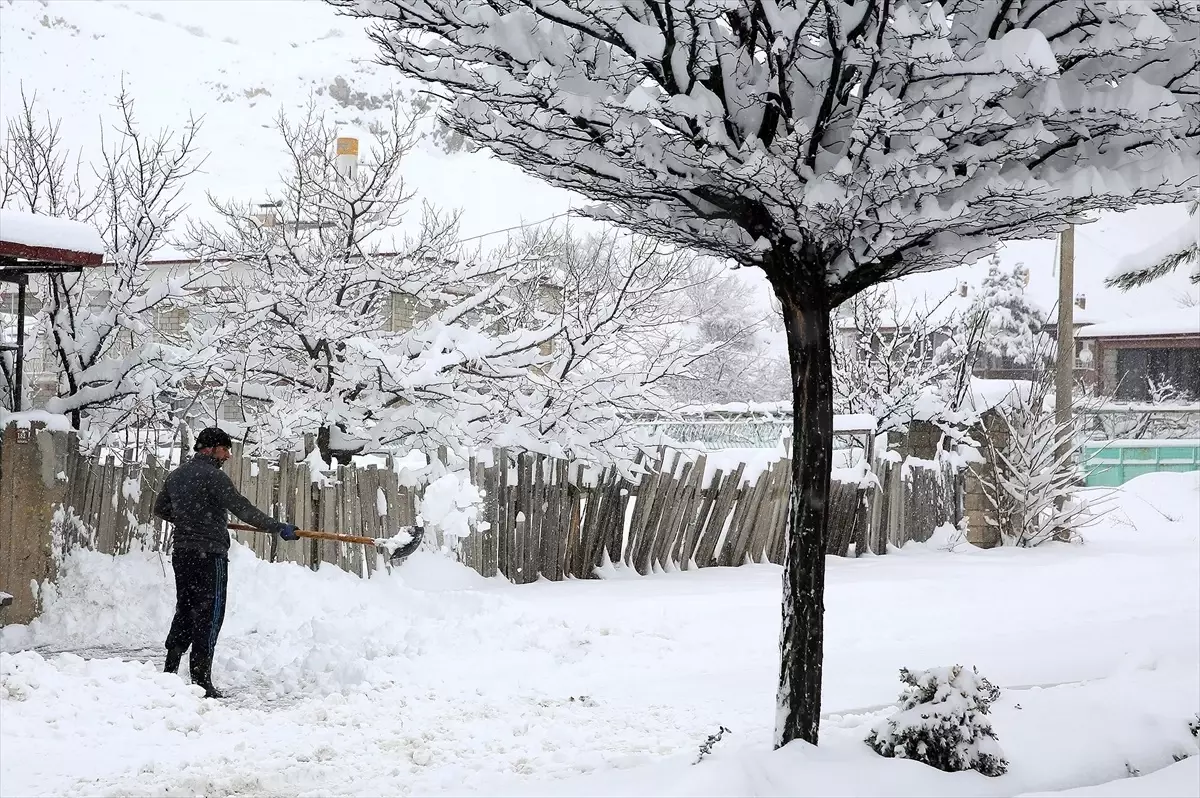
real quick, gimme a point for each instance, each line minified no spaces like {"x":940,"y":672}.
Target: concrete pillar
{"x":923,"y":439}
{"x":31,"y":458}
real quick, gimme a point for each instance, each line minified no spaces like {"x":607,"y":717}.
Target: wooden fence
{"x":544,"y":516}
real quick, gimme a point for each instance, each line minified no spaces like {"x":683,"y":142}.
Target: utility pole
{"x":1064,"y":378}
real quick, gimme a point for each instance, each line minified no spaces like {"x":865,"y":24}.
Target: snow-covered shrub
{"x":943,"y":722}
{"x":1028,"y":482}
{"x":1194,"y":726}
{"x":889,"y":354}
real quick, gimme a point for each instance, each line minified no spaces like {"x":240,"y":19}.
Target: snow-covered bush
{"x":943,"y":722}
{"x":887,"y":353}
{"x":1029,"y":483}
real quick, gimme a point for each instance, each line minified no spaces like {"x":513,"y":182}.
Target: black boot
{"x":209,"y":690}
{"x":174,"y":655}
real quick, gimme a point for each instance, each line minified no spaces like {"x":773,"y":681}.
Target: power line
{"x":516,"y":227}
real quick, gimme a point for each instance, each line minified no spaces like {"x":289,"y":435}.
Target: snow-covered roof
{"x":1114,"y":238}
{"x":32,"y":236}
{"x":1184,"y":321}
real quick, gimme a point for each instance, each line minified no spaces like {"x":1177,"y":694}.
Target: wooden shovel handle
{"x":305,"y":533}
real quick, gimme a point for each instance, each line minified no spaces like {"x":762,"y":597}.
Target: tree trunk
{"x":806,"y":320}
{"x":332,"y":457}
{"x":323,"y":447}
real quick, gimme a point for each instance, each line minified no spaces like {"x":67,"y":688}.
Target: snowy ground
{"x":435,"y":681}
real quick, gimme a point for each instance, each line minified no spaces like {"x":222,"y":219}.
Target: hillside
{"x":237,"y":65}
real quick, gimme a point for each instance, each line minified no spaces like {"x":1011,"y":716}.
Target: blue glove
{"x":288,"y":532}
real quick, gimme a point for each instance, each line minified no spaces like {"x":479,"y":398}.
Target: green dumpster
{"x":1112,"y":463}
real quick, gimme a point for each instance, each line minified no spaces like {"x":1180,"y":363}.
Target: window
{"x":1138,"y":368}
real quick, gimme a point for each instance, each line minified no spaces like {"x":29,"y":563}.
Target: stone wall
{"x":980,"y":531}
{"x":31,"y":459}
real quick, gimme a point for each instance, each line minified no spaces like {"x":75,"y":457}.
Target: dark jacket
{"x":196,"y":497}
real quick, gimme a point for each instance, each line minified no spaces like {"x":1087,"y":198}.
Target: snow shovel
{"x":396,"y":548}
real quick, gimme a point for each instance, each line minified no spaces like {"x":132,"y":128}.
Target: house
{"x":932,"y":315}
{"x":1132,"y":359}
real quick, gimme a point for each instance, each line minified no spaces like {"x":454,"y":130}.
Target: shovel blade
{"x":399,"y":554}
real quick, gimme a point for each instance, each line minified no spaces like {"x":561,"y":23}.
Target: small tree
{"x":835,"y":145}
{"x":1013,"y":333}
{"x":99,"y":325}
{"x":943,"y":722}
{"x":1029,"y":485}
{"x":888,"y":356}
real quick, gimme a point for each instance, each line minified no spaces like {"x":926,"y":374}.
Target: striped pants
{"x":201,"y":579}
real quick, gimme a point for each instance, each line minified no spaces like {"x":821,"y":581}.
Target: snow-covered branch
{"x":98,"y":327}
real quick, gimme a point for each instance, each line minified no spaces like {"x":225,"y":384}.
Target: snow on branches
{"x":874,"y":138}
{"x":329,"y":326}
{"x":1013,"y":325}
{"x":889,"y":356}
{"x":1180,"y":247}
{"x":942,"y":721}
{"x":96,"y":326}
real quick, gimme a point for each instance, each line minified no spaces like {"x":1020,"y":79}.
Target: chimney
{"x":963,"y":288}
{"x":1081,"y":301}
{"x":267,"y":216}
{"x":346,"y":159}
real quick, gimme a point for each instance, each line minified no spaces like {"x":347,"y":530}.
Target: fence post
{"x":30,"y":460}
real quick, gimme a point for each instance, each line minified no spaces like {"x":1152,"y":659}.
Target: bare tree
{"x":98,"y":325}
{"x":737,"y":364}
{"x":888,"y":354}
{"x":835,"y":145}
{"x":332,"y":327}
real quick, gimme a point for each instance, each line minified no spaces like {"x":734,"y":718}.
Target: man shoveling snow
{"x":196,"y":498}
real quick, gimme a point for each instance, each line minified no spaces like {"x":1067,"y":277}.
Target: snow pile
{"x":1180,"y":780}
{"x":395,"y":542}
{"x":943,"y":722}
{"x":452,"y":503}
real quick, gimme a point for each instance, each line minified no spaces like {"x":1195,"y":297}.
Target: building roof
{"x":1173,"y":323}
{"x":46,"y":242}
